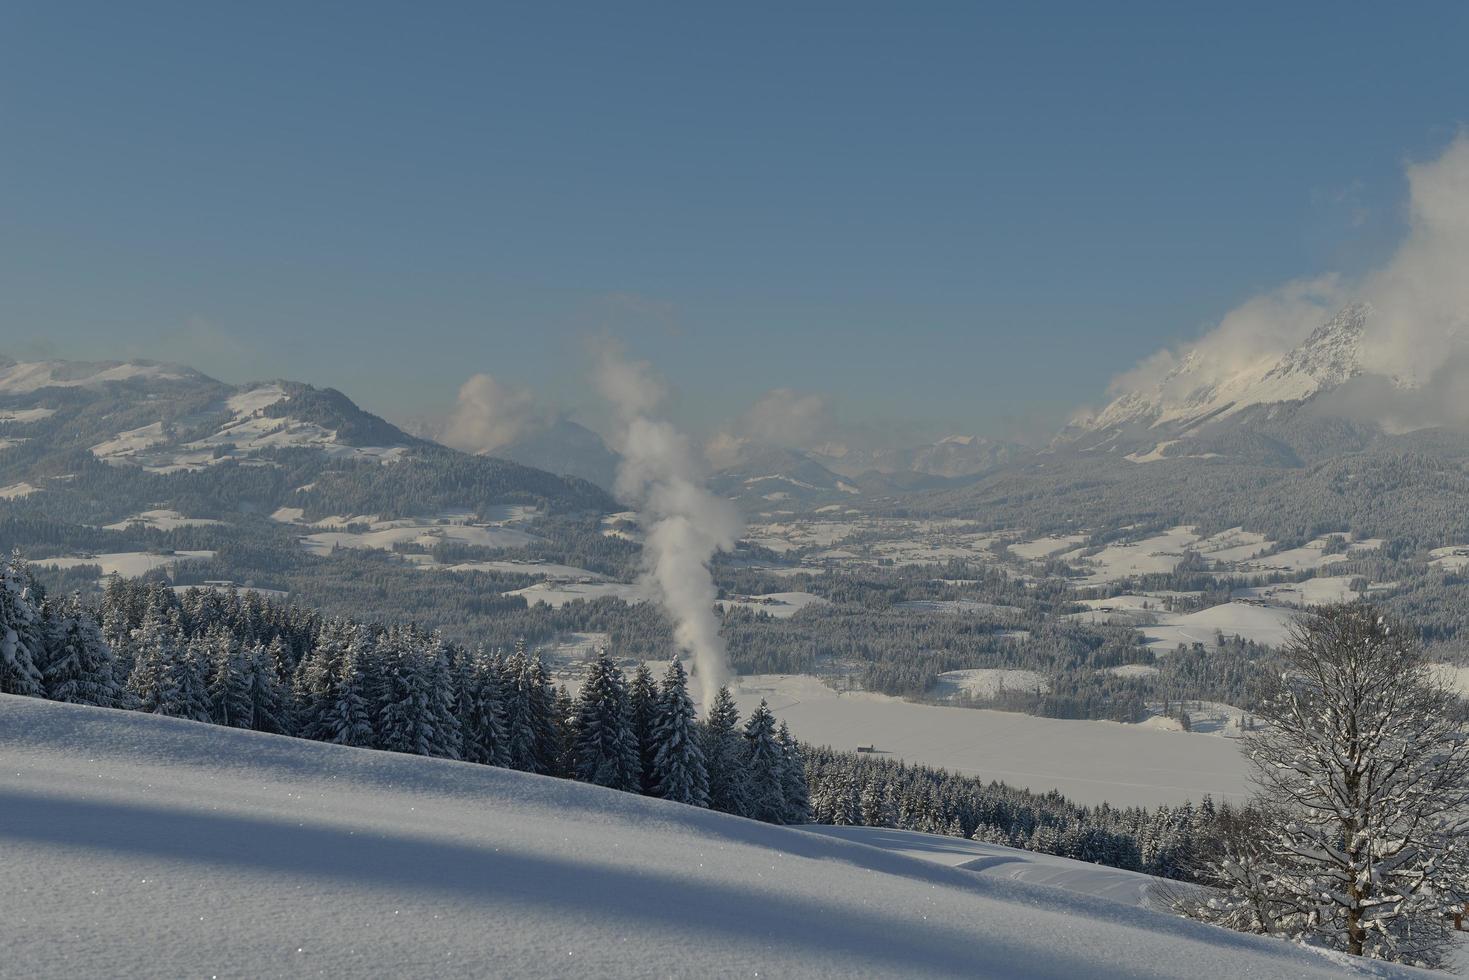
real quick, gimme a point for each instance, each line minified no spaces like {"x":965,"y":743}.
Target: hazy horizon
{"x":869,"y":227}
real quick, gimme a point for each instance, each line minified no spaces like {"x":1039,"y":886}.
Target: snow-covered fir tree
{"x":229,"y":678}
{"x":724,"y":755}
{"x":482,"y":696}
{"x":793,"y":778}
{"x":642,"y":714}
{"x":678,"y":770}
{"x":347,"y":715}
{"x":270,"y":704}
{"x":167,"y":679}
{"x":415,"y":714}
{"x":315,"y":678}
{"x":21,"y":633}
{"x":764,"y":768}
{"x":604,"y":749}
{"x":80,"y":667}
{"x":530,"y":716}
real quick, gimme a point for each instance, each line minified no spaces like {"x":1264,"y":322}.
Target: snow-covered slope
{"x":22,"y":377}
{"x":997,"y":861}
{"x":136,"y":845}
{"x":1199,"y":389}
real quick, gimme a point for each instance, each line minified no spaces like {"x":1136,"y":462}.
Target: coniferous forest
{"x":238,"y":659}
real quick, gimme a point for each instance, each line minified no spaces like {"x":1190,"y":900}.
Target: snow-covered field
{"x":1042,"y":548}
{"x":1089,"y":761}
{"x":24,"y":416}
{"x":558,"y":594}
{"x":162,"y":520}
{"x":980,"y":682}
{"x":958,"y":606}
{"x":496,"y":531}
{"x":1454,"y":558}
{"x":1312,"y":592}
{"x":1455,"y":677}
{"x":128,"y":564}
{"x":1163,"y":631}
{"x":1248,"y":621}
{"x":383,"y":535}
{"x":1309,"y":556}
{"x":17,"y":490}
{"x":780,"y":605}
{"x":143,"y":846}
{"x":547,"y":570}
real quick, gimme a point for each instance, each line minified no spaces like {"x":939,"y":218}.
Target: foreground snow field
{"x":136,"y":845}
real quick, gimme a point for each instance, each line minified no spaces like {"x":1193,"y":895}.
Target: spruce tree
{"x":80,"y":667}
{"x":532,"y":722}
{"x":446,"y":736}
{"x":403,"y":717}
{"x":793,"y":778}
{"x":764,"y":768}
{"x":270,"y":708}
{"x":678,"y":770}
{"x":347,"y":719}
{"x":604,"y":748}
{"x":230,"y":703}
{"x":166,"y":677}
{"x":486,"y":739}
{"x":723,"y":755}
{"x":642,"y":714}
{"x":315,"y":678}
{"x":520,"y":742}
{"x":21,"y":637}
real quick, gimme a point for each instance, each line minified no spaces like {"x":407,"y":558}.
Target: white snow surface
{"x":24,"y":377}
{"x":558,"y":594}
{"x":17,"y":490}
{"x":1013,"y":864}
{"x":779,"y":605}
{"x":128,"y":564}
{"x":1454,"y":558}
{"x":1088,"y":761}
{"x":23,"y":416}
{"x":138,"y":845}
{"x":981,"y":682}
{"x":163,"y":520}
{"x":126,"y":444}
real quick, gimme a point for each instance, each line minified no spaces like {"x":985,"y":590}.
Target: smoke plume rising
{"x":683,"y":523}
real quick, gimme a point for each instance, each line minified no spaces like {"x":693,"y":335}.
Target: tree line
{"x":237,"y":660}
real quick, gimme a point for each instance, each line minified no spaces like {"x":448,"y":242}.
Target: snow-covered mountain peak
{"x":1199,"y":388}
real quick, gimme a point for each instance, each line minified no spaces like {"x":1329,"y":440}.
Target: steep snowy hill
{"x":139,"y":845}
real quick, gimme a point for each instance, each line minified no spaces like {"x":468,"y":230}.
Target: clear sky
{"x":968,"y":214}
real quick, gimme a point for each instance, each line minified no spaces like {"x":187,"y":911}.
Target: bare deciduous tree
{"x":1363,"y":809}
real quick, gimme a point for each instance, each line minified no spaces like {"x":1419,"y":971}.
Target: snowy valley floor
{"x":134,"y":845}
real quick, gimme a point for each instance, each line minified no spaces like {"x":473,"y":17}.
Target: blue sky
{"x":966,"y":217}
